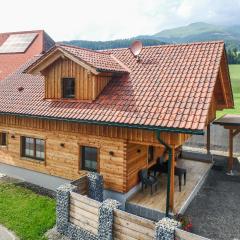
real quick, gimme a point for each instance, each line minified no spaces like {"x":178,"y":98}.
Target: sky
{"x":112,"y":19}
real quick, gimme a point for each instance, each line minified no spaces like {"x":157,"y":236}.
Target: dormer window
{"x":68,"y":87}
{"x":76,"y":74}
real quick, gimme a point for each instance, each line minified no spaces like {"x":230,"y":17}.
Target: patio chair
{"x":148,"y":180}
{"x":162,"y":167}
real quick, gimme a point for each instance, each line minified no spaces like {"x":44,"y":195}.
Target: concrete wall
{"x":40,"y":179}
{"x":219,"y":140}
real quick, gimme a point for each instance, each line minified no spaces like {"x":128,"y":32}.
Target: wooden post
{"x":172,"y":177}
{"x":230,"y":158}
{"x":208,"y":139}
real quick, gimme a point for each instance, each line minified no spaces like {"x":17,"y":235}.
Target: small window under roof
{"x":17,"y":43}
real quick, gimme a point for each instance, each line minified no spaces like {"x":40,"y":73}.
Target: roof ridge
{"x":81,"y":48}
{"x":89,"y":64}
{"x":166,"y":45}
{"x":22,"y":32}
{"x":120,"y":63}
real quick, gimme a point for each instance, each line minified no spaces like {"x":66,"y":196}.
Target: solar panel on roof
{"x":17,"y":43}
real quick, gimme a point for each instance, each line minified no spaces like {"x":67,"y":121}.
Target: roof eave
{"x":136,"y":126}
{"x":35,"y":67}
{"x":110,"y":71}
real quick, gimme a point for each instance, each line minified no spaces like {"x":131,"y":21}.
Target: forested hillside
{"x":193,"y":32}
{"x":121,"y":43}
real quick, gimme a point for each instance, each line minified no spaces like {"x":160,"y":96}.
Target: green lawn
{"x":25,"y":213}
{"x":235,"y":79}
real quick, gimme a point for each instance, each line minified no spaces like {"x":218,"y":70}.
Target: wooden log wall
{"x":138,"y":136}
{"x":87,"y":85}
{"x":65,"y":161}
{"x":62,"y":148}
{"x":136,"y":160}
{"x":132,"y":227}
{"x":84,"y":212}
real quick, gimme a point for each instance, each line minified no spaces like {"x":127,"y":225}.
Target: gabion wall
{"x":95,"y":186}
{"x":106,"y":219}
{"x":62,"y":210}
{"x":95,"y":191}
{"x":164,"y":230}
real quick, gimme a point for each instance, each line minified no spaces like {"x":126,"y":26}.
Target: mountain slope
{"x":195,"y":32}
{"x":201,"y":32}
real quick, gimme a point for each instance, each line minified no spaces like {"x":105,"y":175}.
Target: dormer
{"x":76,"y":74}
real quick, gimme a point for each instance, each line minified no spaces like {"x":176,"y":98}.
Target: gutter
{"x":102,"y":123}
{"x":169,"y":149}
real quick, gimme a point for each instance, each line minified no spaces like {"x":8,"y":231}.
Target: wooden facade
{"x":87,"y":85}
{"x":62,"y":148}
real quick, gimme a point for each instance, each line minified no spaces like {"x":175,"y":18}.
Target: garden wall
{"x":82,"y":214}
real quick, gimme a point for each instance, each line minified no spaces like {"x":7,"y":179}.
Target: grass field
{"x":235,"y":78}
{"x":25,"y":213}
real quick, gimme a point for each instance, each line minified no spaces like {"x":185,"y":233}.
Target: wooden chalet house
{"x":72,"y":110}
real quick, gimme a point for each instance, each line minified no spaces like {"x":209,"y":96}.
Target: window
{"x":89,"y":158}
{"x":3,"y":139}
{"x":68,"y":87}
{"x":150,"y":153}
{"x":33,"y":148}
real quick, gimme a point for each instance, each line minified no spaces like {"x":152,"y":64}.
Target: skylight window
{"x":17,"y":43}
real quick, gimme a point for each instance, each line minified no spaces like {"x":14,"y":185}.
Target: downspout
{"x":169,"y":149}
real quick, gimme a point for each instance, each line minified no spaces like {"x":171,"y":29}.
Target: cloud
{"x":213,"y":11}
{"x":111,"y":19}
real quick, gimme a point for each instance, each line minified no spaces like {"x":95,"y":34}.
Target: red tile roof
{"x":101,"y":61}
{"x":171,"y":87}
{"x":10,"y":62}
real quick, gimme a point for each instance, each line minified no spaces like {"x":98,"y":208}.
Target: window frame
{"x":1,"y":139}
{"x":82,"y":160}
{"x":63,"y":88}
{"x":34,"y":157}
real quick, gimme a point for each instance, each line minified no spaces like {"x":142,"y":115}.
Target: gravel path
{"x":215,"y":210}
{"x":35,"y":188}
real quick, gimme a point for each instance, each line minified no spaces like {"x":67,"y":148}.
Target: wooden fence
{"x":82,"y":185}
{"x":132,"y":227}
{"x":84,"y":212}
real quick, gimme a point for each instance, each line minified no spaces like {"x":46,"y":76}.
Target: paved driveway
{"x":216,"y":209}
{"x":6,"y":235}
